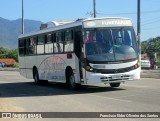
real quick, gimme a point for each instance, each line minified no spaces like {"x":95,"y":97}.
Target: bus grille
{"x":123,"y":77}
{"x":114,"y":71}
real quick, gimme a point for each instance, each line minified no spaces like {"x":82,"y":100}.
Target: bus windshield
{"x":110,"y":44}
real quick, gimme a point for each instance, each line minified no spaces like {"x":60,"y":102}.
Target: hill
{"x":10,"y":29}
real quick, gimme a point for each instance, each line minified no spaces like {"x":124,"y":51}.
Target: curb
{"x":150,"y":74}
{"x":9,"y":69}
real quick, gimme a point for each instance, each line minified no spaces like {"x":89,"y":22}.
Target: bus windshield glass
{"x":110,"y":44}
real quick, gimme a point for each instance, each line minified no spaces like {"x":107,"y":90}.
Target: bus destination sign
{"x":107,"y":23}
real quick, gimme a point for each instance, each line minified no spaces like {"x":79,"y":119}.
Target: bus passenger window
{"x":68,"y":43}
{"x":49,"y":43}
{"x":78,"y":43}
{"x":31,"y":46}
{"x":59,"y":42}
{"x":55,"y":49}
{"x":22,"y":47}
{"x":40,"y":44}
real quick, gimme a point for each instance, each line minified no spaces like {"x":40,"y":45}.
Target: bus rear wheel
{"x":37,"y":81}
{"x":36,"y":77}
{"x":114,"y":84}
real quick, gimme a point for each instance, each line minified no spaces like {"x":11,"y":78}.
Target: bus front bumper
{"x":93,"y":78}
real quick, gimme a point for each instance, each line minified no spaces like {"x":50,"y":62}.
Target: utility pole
{"x":94,"y":7}
{"x":22,"y":17}
{"x":139,"y":27}
{"x":139,"y":22}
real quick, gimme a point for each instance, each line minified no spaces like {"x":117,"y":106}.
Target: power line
{"x":129,"y":13}
{"x":150,"y":19}
{"x":151,"y":22}
{"x":143,"y":12}
{"x":153,"y":11}
{"x":89,"y":13}
{"x":151,"y":28}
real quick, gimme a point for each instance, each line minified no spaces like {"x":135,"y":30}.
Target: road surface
{"x":18,"y":94}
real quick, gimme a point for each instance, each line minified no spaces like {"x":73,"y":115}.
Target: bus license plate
{"x":117,"y":77}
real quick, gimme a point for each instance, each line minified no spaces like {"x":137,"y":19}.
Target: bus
{"x":82,"y":52}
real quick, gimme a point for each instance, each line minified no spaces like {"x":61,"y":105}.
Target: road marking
{"x":6,"y":74}
{"x":136,"y":86}
{"x":128,"y":96}
{"x":111,"y":98}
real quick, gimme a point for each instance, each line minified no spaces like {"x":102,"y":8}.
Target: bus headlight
{"x":91,"y":69}
{"x":88,"y":68}
{"x":138,"y":64}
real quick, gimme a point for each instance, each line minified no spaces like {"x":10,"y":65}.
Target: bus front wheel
{"x":114,"y":84}
{"x":71,"y":82}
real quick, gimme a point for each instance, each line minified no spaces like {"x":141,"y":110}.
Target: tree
{"x":4,"y":53}
{"x":151,"y":46}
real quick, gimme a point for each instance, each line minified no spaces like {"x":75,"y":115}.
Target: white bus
{"x":85,"y":51}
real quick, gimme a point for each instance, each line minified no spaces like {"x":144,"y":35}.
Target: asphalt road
{"x":22,"y":95}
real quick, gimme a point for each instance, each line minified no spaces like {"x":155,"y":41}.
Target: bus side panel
{"x":53,"y":67}
{"x":22,"y":66}
{"x":44,"y":67}
{"x":30,"y":63}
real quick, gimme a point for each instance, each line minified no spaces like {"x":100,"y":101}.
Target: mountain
{"x":10,"y":29}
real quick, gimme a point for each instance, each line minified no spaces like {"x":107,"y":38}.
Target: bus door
{"x":78,"y":51}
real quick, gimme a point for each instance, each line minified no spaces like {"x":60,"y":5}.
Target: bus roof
{"x":68,"y":24}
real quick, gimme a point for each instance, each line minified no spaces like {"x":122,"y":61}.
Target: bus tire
{"x":36,"y":77}
{"x":115,"y":84}
{"x":37,"y":81}
{"x":71,"y":82}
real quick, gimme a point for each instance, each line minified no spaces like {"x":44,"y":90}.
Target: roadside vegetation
{"x":5,"y":53}
{"x":151,"y":46}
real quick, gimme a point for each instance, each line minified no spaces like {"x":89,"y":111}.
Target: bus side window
{"x":55,"y":49}
{"x":78,"y":43}
{"x":40,"y":44}
{"x":59,"y":42}
{"x":68,"y":41}
{"x":22,"y":47}
{"x":49,"y":43}
{"x":31,"y":46}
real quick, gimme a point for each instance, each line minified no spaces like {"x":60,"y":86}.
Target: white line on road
{"x":8,"y":74}
{"x":136,"y":86}
{"x":129,"y":96}
{"x":110,"y":98}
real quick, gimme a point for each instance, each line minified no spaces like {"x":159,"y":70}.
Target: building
{"x":7,"y":61}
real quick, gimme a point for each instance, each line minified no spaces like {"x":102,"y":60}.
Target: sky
{"x":49,"y":10}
